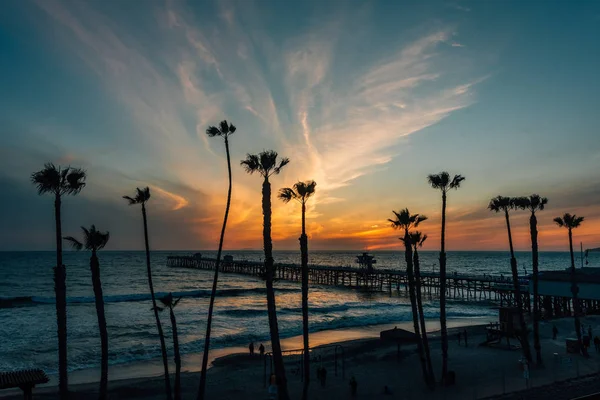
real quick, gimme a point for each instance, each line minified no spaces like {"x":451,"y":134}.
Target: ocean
{"x":28,"y":318}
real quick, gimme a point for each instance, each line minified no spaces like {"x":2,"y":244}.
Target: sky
{"x":365,"y":97}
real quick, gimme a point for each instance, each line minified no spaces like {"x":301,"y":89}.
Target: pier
{"x":459,"y":286}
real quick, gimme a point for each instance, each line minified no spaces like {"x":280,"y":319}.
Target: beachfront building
{"x":555,"y":293}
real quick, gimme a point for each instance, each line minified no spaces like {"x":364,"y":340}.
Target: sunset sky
{"x":365,"y":97}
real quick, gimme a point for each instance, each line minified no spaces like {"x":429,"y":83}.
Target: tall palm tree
{"x":417,"y":239}
{"x":405,"y":221}
{"x":266,"y":165}
{"x":60,"y":181}
{"x":571,"y":222}
{"x":505,"y":204}
{"x":94,"y":241}
{"x":170,"y":303}
{"x":141,"y":197}
{"x":534,"y":203}
{"x":224,"y":130}
{"x":443,"y":183}
{"x":301,"y":192}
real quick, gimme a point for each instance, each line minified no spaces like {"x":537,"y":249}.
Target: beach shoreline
{"x":139,"y":371}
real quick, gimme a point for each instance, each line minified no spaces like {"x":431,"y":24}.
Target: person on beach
{"x":459,"y":336}
{"x":261,"y":349}
{"x":554,"y":332}
{"x":465,"y":333}
{"x":526,"y":372}
{"x":272,"y":390}
{"x":353,"y":386}
{"x":251,"y":348}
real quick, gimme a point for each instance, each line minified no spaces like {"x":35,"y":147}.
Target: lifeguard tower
{"x":506,"y":327}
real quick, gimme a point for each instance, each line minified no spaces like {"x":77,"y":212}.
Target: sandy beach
{"x":480,"y":371}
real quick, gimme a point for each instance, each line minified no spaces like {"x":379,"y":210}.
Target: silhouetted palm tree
{"x":443,"y":183}
{"x":417,"y":239}
{"x":170,"y":303}
{"x":301,"y":192}
{"x":505,"y":204}
{"x":58,"y":182}
{"x":141,"y":197}
{"x":266,"y":165}
{"x":224,"y":130}
{"x":405,"y":221}
{"x":571,"y":222}
{"x":534,"y":203}
{"x":94,"y":241}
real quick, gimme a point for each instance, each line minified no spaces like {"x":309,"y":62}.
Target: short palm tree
{"x":141,"y":198}
{"x":505,"y":204}
{"x":94,"y":241}
{"x":534,"y":203}
{"x":266,"y":165}
{"x":571,"y":222}
{"x":417,"y":239}
{"x":60,"y":181}
{"x":223,"y":130}
{"x":301,"y":192}
{"x":169,"y":302}
{"x":443,"y":183}
{"x":405,"y":221}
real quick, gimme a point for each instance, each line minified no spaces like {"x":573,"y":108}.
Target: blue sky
{"x":365,"y":97}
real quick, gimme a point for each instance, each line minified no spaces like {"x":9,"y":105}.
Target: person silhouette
{"x":251,"y":348}
{"x":261,"y":349}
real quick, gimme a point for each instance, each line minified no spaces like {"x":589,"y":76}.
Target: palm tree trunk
{"x":161,"y":336}
{"x":443,"y":324}
{"x":99,"y":300}
{"x":177,"y":355}
{"x":213,"y":293}
{"x":271,"y":306}
{"x":536,"y":303}
{"x":413,"y":304}
{"x":518,"y":300}
{"x":304,"y":259}
{"x":422,"y":317}
{"x":575,"y":291}
{"x":60,"y":289}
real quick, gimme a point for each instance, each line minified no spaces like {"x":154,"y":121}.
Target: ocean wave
{"x":27,"y":301}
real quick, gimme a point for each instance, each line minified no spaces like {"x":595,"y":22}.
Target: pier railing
{"x":459,"y":285}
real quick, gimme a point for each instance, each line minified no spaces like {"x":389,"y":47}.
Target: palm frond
{"x":251,"y":164}
{"x":47,"y":180}
{"x":132,"y":201}
{"x":284,"y":161}
{"x":559,"y":221}
{"x":287,"y":194}
{"x":456,"y":181}
{"x":213,"y":131}
{"x":501,"y":203}
{"x":439,"y":181}
{"x":75,"y":244}
{"x":74,"y":181}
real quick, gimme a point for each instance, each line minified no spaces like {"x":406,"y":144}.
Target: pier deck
{"x":459,"y":286}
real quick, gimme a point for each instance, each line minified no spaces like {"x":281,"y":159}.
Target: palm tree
{"x":571,"y":222}
{"x":443,"y":183}
{"x":266,"y":165}
{"x":58,"y":182}
{"x":170,"y":304}
{"x":141,"y":197}
{"x":417,"y":239}
{"x":405,"y":220}
{"x":534,"y":203}
{"x":505,"y":204}
{"x":94,"y":241}
{"x":301,"y":192}
{"x":224,"y":130}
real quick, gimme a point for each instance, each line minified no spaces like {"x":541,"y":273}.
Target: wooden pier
{"x":459,"y":286}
